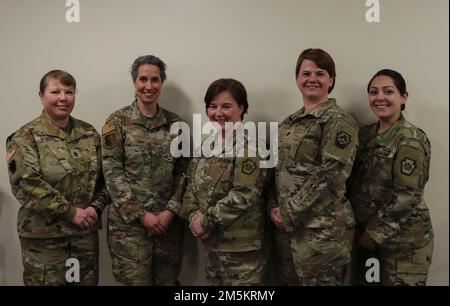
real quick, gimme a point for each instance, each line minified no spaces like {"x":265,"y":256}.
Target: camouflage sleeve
{"x":244,"y":194}
{"x":116,"y":179}
{"x":410,"y":171}
{"x":190,"y":203}
{"x":179,"y":172}
{"x":327,"y":181}
{"x":101,"y":197}
{"x":27,"y":184}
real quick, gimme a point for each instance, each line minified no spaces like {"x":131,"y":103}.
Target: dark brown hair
{"x":398,"y":79}
{"x":235,"y":88}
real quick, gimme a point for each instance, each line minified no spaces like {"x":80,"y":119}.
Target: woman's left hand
{"x":196,"y":226}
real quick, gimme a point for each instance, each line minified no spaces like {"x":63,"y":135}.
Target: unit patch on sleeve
{"x":109,"y":135}
{"x":408,"y":166}
{"x":343,"y":139}
{"x":248,"y":167}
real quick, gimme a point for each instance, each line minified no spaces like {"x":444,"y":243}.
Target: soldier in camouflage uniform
{"x":223,"y":200}
{"x":386,"y":188}
{"x":145,"y":235}
{"x":56,"y":175}
{"x":317,"y":144}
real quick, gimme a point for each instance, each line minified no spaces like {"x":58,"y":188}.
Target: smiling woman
{"x":313,"y":219}
{"x":386,"y":189}
{"x":57,"y":94}
{"x":56,"y":175}
{"x":224,"y":202}
{"x":145,"y":235}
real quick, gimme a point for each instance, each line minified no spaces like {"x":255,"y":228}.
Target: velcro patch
{"x":407,"y":166}
{"x":246,"y":172}
{"x":248,"y":166}
{"x":341,"y":140}
{"x":108,"y":128}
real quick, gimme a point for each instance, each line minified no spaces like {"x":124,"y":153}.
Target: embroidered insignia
{"x":110,"y":140}
{"x":248,"y":167}
{"x":343,"y":139}
{"x":408,"y":166}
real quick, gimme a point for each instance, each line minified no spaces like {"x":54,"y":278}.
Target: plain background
{"x":254,"y":41}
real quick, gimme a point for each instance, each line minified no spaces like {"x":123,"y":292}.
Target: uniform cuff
{"x":207,"y":226}
{"x":70,"y":214}
{"x":173,"y":206}
{"x":98,"y":211}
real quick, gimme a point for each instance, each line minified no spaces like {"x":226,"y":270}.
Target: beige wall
{"x":255,"y":41}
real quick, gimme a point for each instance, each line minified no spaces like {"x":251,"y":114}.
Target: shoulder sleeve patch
{"x":110,"y":135}
{"x":409,"y":167}
{"x":247,"y":171}
{"x":248,"y":167}
{"x":10,"y":154}
{"x":341,"y":141}
{"x":15,"y":162}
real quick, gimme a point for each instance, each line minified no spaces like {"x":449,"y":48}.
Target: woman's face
{"x":58,"y":99}
{"x":148,"y":84}
{"x":313,"y":82}
{"x":224,"y":108}
{"x":385,"y":99}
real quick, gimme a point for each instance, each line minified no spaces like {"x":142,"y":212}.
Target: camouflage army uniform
{"x":386,"y":191}
{"x":316,"y":153}
{"x":142,"y":175}
{"x":228,"y":191}
{"x":51,"y":173}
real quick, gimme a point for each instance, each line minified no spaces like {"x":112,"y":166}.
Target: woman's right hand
{"x":152,"y":223}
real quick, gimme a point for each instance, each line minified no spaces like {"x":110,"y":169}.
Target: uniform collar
{"x":46,"y":127}
{"x":317,"y":112}
{"x":158,"y":120}
{"x":389,"y":132}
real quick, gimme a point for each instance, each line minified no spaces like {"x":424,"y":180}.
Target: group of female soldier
{"x":333,"y":188}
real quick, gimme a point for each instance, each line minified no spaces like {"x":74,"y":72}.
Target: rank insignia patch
{"x":248,"y":167}
{"x":408,"y":166}
{"x":343,"y":139}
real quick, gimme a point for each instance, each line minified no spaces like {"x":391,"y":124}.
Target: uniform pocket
{"x":84,"y":156}
{"x":162,"y":163}
{"x":33,"y":273}
{"x":221,"y":178}
{"x":54,"y":162}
